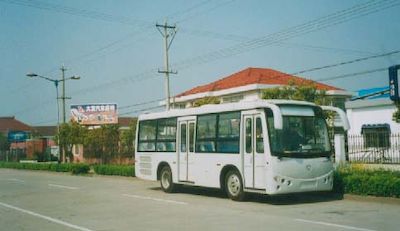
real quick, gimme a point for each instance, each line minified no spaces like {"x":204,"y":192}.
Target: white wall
{"x":371,"y":114}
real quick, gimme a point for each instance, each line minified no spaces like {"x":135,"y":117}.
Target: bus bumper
{"x":282,"y":184}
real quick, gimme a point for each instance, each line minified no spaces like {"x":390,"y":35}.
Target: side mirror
{"x":340,"y":121}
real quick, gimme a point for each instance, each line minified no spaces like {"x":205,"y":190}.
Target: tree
{"x":68,"y":135}
{"x":305,"y":91}
{"x":4,"y":144}
{"x":298,"y":91}
{"x":128,"y":138}
{"x":110,"y":139}
{"x":206,"y":100}
{"x":396,"y":114}
{"x":102,"y":142}
{"x":92,"y":143}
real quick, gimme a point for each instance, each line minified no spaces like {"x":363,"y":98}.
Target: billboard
{"x":95,"y":114}
{"x":394,"y":82}
{"x":17,"y":136}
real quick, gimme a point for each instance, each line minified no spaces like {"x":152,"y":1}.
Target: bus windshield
{"x":301,"y":137}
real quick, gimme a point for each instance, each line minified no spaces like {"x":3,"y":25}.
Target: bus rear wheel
{"x":234,"y":186}
{"x":167,"y":184}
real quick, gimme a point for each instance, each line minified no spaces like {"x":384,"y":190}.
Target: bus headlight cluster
{"x":327,"y":179}
{"x":281,"y":181}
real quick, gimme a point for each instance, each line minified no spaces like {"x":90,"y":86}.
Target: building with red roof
{"x":248,"y":84}
{"x":10,"y":124}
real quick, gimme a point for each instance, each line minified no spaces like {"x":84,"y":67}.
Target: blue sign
{"x":394,"y":82}
{"x":17,"y":136}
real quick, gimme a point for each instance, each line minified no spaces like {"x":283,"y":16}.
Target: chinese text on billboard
{"x":94,"y":114}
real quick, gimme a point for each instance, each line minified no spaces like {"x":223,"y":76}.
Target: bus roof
{"x":215,"y":108}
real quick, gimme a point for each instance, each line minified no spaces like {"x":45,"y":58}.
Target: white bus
{"x":263,"y":146}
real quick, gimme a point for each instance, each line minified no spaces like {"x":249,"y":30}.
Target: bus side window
{"x":147,"y":135}
{"x":275,"y":142}
{"x":259,"y":136}
{"x":206,"y":133}
{"x":228,"y":137}
{"x":183,"y":137}
{"x":191,"y":137}
{"x":166,"y":135}
{"x":249,"y":135}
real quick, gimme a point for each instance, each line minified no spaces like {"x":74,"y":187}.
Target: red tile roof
{"x":11,"y":124}
{"x":45,"y":130}
{"x":254,"y":76}
{"x":125,"y":121}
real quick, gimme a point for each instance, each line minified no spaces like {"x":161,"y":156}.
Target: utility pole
{"x":63,"y":97}
{"x":168,"y":32}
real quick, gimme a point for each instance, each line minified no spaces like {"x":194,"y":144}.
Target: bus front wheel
{"x":167,"y":184}
{"x":234,"y":185}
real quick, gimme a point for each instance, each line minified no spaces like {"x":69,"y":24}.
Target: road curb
{"x":383,"y":200}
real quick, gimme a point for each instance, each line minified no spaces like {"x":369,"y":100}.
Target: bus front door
{"x":253,"y":154}
{"x":186,"y":149}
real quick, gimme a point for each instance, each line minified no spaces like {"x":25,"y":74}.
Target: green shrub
{"x":120,"y":170}
{"x":358,"y":181}
{"x":80,"y":169}
{"x":61,"y":167}
{"x":74,"y":168}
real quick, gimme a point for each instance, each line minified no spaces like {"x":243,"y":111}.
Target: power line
{"x":352,"y":74}
{"x":142,"y":110}
{"x":317,"y":24}
{"x":143,"y":29}
{"x":336,"y":18}
{"x":99,"y":16}
{"x":240,"y":38}
{"x":347,"y":62}
{"x":186,"y":10}
{"x":139,"y":104}
{"x":78,"y":12}
{"x":339,"y":17}
{"x":340,"y":64}
{"x":190,"y":17}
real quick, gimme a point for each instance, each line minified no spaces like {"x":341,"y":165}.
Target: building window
{"x":376,"y":135}
{"x":232,"y":99}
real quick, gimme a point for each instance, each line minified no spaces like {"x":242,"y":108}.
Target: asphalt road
{"x":31,"y":200}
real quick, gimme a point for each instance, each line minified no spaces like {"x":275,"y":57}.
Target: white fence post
{"x":340,"y":152}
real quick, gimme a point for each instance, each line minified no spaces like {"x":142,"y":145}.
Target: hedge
{"x":368,"y":182}
{"x":120,"y":170}
{"x":54,"y":167}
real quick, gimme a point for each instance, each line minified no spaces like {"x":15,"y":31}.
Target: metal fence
{"x":377,"y":147}
{"x":12,"y":155}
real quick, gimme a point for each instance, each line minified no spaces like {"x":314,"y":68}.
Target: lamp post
{"x":56,"y":82}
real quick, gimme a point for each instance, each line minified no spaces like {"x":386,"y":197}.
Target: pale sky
{"x":116,"y":49}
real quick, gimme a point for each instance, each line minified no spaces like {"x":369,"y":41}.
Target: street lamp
{"x":56,"y":82}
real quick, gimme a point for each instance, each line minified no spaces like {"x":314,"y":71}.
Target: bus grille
{"x":145,"y":165}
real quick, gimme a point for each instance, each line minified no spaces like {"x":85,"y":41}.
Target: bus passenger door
{"x":253,"y":156}
{"x":185,"y":149}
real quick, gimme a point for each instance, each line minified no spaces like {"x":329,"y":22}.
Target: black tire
{"x":234,"y":185}
{"x":166,"y":182}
